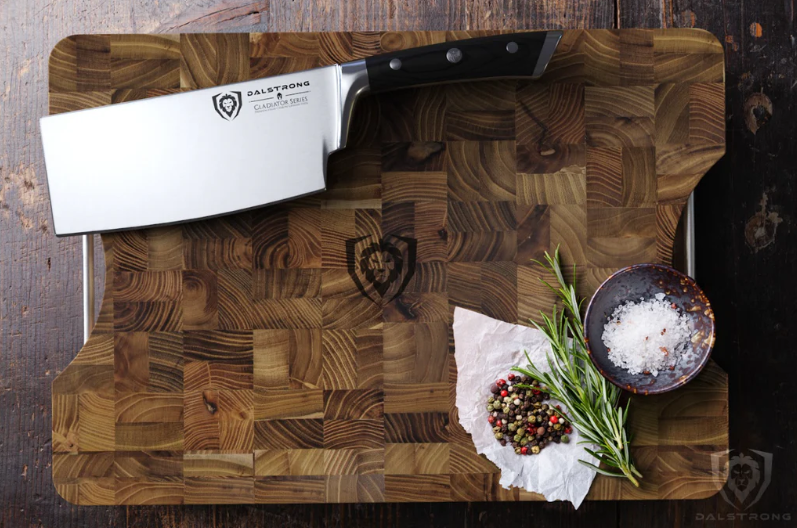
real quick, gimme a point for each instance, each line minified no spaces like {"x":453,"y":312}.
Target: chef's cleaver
{"x":230,"y":148}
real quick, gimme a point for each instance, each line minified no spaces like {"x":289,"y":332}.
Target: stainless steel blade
{"x":197,"y":154}
{"x":226,"y":149}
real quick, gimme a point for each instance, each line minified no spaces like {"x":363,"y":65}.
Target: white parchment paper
{"x":485,"y":351}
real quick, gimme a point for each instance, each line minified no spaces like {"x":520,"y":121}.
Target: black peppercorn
{"x":527,"y":424}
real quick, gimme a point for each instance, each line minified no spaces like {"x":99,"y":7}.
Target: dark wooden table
{"x":746,"y":211}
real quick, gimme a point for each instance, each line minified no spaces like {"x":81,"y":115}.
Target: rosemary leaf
{"x":592,"y":402}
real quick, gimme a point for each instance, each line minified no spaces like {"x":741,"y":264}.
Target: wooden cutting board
{"x":304,"y":353}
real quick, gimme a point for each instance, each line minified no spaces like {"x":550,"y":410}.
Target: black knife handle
{"x":498,"y":56}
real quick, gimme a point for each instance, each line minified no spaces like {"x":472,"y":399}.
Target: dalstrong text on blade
{"x":282,"y":87}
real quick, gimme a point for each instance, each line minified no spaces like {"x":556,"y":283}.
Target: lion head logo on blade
{"x":381,"y":267}
{"x":227,"y":104}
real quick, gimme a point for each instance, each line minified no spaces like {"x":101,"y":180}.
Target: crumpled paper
{"x":485,"y":351}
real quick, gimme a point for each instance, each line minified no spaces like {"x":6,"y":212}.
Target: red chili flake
{"x":524,"y":450}
{"x":663,"y":330}
{"x":664,"y":349}
{"x":568,"y":430}
{"x":673,"y":306}
{"x":535,"y":391}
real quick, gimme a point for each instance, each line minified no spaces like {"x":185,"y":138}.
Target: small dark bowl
{"x":646,"y":280}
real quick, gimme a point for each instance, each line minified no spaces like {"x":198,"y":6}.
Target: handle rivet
{"x":511,"y":47}
{"x":454,"y":55}
{"x":395,"y":64}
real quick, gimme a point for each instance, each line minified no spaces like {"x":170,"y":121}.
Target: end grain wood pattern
{"x":235,"y":360}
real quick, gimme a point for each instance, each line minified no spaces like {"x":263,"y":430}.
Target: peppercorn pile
{"x":521,"y":419}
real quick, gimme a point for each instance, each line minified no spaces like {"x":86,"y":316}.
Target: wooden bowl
{"x":646,"y":280}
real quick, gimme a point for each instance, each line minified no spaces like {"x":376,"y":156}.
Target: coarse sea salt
{"x":647,"y":336}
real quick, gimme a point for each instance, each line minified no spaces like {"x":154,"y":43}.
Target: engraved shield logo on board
{"x":228,"y":104}
{"x":381,"y":267}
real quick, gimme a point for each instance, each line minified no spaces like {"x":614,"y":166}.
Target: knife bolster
{"x":353,"y":84}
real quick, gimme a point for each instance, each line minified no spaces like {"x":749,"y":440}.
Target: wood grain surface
{"x":236,"y":360}
{"x":751,"y":284}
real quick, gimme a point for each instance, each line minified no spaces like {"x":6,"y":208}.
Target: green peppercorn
{"x":557,"y":426}
{"x":499,"y":435}
{"x":565,"y":439}
{"x":521,"y":431}
{"x":524,"y":441}
{"x":512,"y":427}
{"x":535,"y":450}
{"x":517,"y":450}
{"x":545,"y":407}
{"x":490,"y":399}
{"x":517,"y":437}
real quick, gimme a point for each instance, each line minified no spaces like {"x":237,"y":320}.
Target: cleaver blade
{"x":226,"y":149}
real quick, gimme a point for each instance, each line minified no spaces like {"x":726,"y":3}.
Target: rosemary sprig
{"x":592,"y":402}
